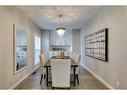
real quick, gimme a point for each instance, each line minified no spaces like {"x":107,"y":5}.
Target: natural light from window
{"x":37,"y":40}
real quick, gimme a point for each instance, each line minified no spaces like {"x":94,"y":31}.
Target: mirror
{"x":20,"y":49}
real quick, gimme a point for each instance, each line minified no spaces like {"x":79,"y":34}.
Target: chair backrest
{"x":73,"y":56}
{"x":60,"y":69}
{"x":43,"y":60}
{"x":77,"y":58}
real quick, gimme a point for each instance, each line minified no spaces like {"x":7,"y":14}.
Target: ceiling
{"x":46,"y":17}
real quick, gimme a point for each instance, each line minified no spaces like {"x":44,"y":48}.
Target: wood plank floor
{"x":86,"y":81}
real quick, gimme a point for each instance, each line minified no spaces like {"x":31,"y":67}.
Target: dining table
{"x":73,"y":66}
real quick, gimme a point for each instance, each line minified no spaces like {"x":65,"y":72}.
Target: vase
{"x":62,"y":54}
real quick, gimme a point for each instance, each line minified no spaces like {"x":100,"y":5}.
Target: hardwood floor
{"x":86,"y":81}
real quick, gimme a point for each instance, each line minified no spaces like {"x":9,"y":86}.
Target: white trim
{"x":17,"y":83}
{"x":14,"y":49}
{"x":97,"y":77}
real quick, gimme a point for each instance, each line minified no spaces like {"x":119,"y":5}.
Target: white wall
{"x":8,"y":17}
{"x":114,"y":18}
{"x":56,"y":40}
{"x":45,"y":41}
{"x":76,"y":43}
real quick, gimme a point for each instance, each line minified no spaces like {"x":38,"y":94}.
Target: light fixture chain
{"x":60,"y":20}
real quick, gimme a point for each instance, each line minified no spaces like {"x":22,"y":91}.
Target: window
{"x":37,"y":50}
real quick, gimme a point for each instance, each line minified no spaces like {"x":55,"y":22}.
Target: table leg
{"x":47,"y":75}
{"x":74,"y":75}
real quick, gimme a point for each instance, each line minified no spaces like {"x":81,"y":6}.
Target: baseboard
{"x":97,"y":77}
{"x":17,"y":83}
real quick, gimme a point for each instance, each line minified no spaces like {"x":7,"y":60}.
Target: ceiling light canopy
{"x":60,"y":30}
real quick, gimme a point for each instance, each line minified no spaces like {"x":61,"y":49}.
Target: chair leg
{"x":44,"y":76}
{"x":77,"y":79}
{"x":41,"y":78}
{"x":52,"y":87}
{"x":68,"y":87}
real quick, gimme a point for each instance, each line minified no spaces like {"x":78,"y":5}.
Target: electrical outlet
{"x":117,"y":83}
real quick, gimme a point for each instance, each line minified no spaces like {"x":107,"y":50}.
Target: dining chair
{"x":76,"y":58}
{"x":77,"y":61}
{"x":43,"y":61}
{"x":60,"y":69}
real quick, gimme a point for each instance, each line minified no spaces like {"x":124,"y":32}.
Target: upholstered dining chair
{"x":76,"y":58}
{"x":77,"y":61}
{"x":43,"y":61}
{"x":60,"y":69}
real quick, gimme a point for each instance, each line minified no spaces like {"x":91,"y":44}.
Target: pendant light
{"x":60,"y":30}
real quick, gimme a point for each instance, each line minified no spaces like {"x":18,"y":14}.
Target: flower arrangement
{"x":62,"y":52}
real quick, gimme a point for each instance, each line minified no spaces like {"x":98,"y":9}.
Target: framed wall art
{"x":96,"y":45}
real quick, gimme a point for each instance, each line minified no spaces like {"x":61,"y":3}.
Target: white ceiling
{"x":46,"y":17}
